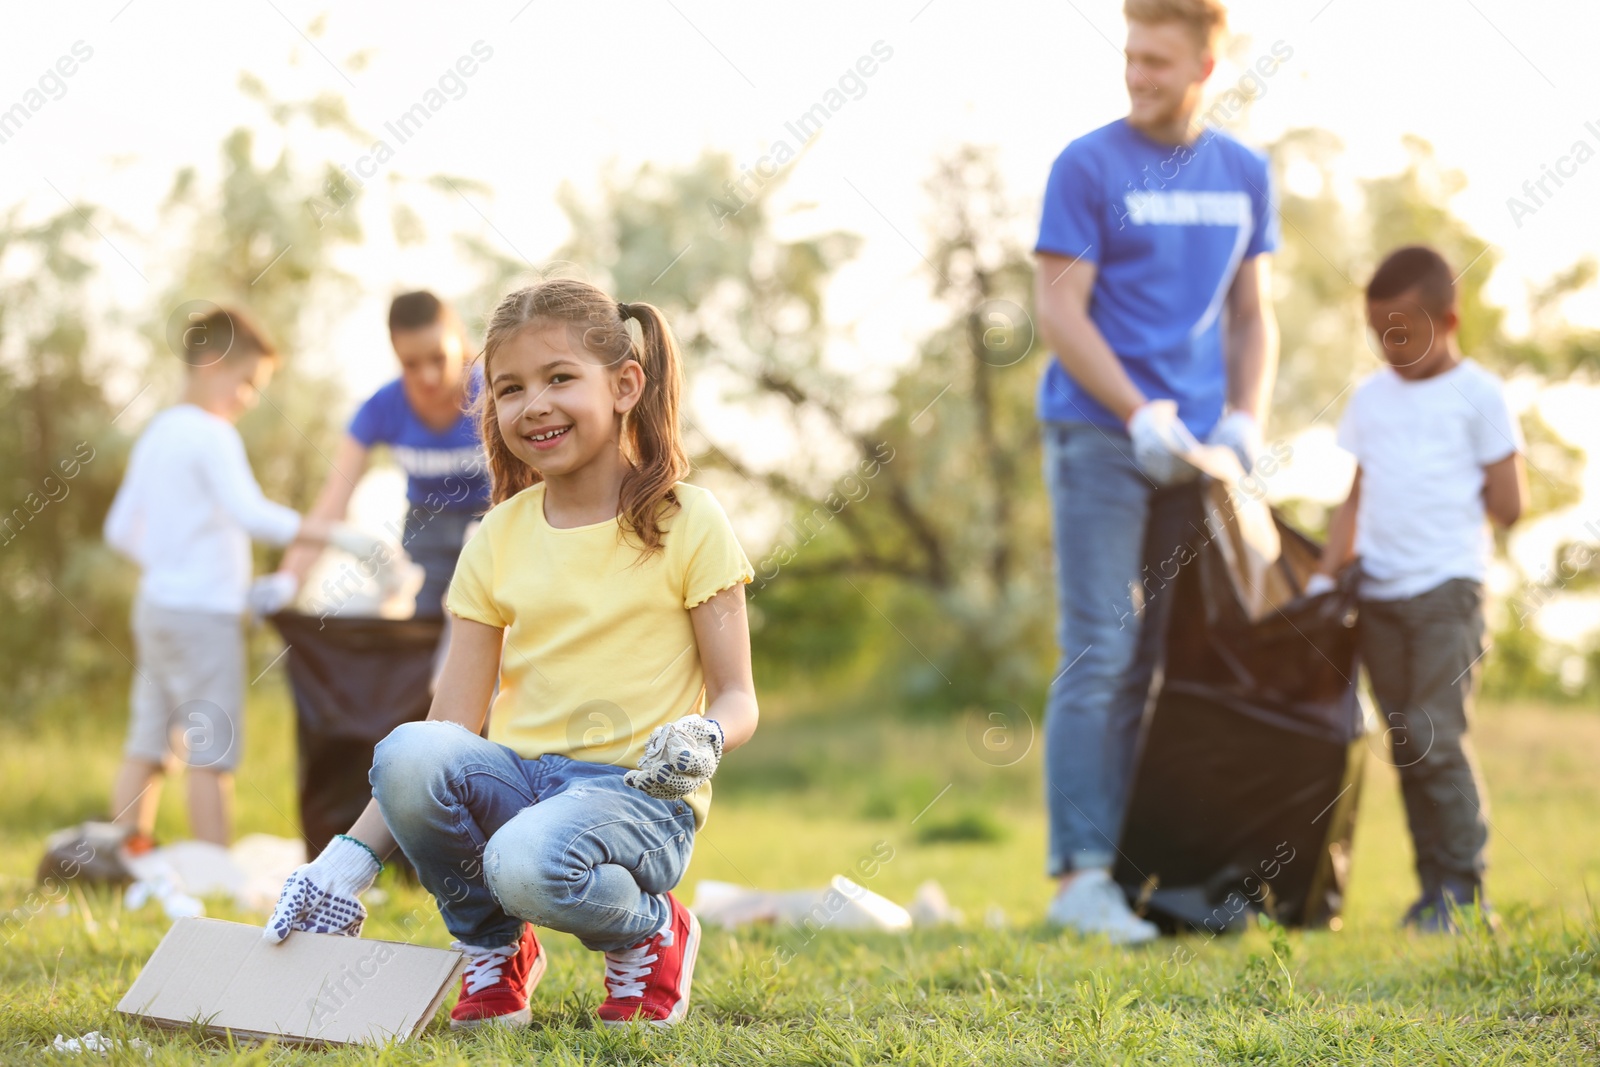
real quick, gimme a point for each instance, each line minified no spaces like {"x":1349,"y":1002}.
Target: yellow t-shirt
{"x":599,"y":647}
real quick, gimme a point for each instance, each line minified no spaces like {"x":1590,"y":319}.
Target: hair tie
{"x":624,"y":311}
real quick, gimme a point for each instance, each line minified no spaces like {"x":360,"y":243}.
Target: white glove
{"x":358,"y":543}
{"x":1318,"y":584}
{"x":1159,"y":440}
{"x":322,"y":897}
{"x":1239,"y":431}
{"x":271,"y":593}
{"x":679,"y":757}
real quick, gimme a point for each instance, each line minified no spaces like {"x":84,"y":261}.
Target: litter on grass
{"x":252,"y":873}
{"x":840,"y":905}
{"x":94,"y":1041}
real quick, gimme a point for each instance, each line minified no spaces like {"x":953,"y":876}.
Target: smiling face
{"x":1410,"y":337}
{"x":558,"y":406}
{"x":1166,"y":67}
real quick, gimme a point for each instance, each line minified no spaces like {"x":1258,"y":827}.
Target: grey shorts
{"x":188,"y":687}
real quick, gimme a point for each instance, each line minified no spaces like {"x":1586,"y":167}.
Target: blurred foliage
{"x":1523,"y":665}
{"x":1555,"y":468}
{"x":911,"y":554}
{"x":252,"y":242}
{"x":1553,"y":349}
{"x":61,"y":459}
{"x":1317,"y":285}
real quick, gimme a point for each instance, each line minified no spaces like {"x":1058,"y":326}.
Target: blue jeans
{"x":1119,"y":541}
{"x":499,"y":840}
{"x":433,"y":541}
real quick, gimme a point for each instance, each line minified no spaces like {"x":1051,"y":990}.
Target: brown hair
{"x":413,"y":311}
{"x":223,"y":333}
{"x":1414,"y":267}
{"x":1206,"y":19}
{"x":651,"y":441}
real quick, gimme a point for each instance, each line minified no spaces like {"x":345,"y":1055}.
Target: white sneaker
{"x":1092,"y":905}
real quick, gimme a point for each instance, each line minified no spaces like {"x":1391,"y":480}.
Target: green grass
{"x":810,"y":798}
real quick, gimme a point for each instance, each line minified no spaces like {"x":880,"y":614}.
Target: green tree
{"x":255,"y":242}
{"x":61,"y":455}
{"x":954,"y":553}
{"x":252,"y":242}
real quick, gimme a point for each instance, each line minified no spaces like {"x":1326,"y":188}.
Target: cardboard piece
{"x":313,"y":989}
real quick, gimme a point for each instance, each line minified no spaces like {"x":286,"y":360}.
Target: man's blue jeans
{"x":498,"y":839}
{"x":1119,"y":542}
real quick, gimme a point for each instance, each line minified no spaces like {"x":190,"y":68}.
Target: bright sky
{"x":1502,"y":89}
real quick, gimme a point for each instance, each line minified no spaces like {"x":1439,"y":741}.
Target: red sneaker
{"x":650,"y":981}
{"x":496,"y":984}
{"x":138,"y":843}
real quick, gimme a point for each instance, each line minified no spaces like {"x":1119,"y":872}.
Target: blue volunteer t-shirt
{"x":1166,"y":227}
{"x":445,"y":469}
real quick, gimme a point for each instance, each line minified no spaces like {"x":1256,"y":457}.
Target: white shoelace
{"x":484,"y":965}
{"x":627,"y":968}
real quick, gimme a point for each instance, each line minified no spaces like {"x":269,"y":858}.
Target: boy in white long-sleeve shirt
{"x":186,"y":512}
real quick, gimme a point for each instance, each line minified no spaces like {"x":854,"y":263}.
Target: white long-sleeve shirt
{"x":187,"y":510}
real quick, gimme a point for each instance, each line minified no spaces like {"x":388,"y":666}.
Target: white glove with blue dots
{"x":679,"y":757}
{"x":323,"y":896}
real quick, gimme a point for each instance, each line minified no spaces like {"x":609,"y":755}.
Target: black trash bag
{"x":1244,"y":794}
{"x":90,"y":852}
{"x":353,"y":680}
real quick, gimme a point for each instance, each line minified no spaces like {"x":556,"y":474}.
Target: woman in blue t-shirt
{"x":423,"y":416}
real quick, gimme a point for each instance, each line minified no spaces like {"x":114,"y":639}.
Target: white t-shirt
{"x":1422,"y":447}
{"x":187,"y":509}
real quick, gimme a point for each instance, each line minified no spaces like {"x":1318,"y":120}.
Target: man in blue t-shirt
{"x":1152,"y":291}
{"x":425,"y":419}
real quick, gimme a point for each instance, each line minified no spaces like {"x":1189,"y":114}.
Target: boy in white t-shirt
{"x":186,"y":512}
{"x":1437,"y":451}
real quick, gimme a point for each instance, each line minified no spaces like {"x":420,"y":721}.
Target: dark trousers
{"x":1423,"y":655}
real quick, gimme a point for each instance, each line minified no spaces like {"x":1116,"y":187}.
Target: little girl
{"x":609,"y":597}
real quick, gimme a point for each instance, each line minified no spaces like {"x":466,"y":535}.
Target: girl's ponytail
{"x":652,"y":430}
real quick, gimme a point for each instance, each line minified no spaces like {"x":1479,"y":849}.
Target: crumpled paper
{"x":94,"y":1041}
{"x":252,"y":872}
